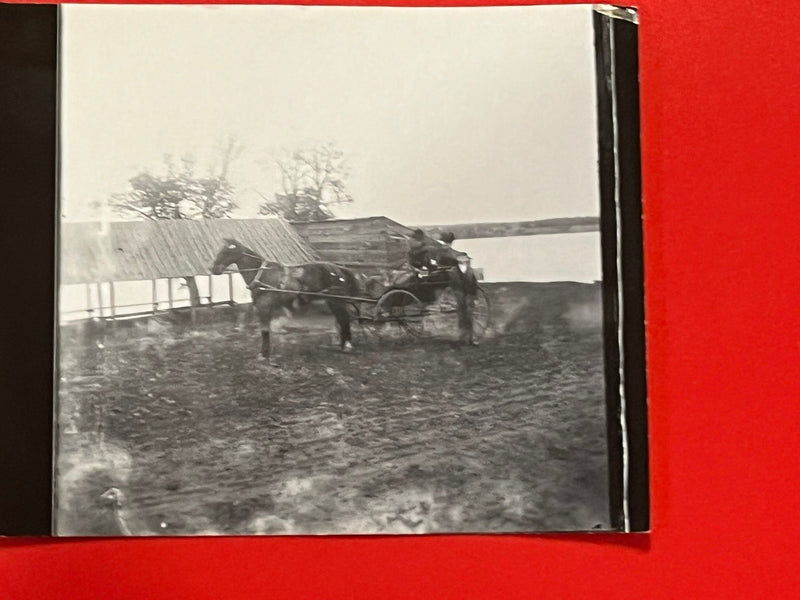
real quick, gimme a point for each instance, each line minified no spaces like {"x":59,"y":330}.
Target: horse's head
{"x":230,"y":253}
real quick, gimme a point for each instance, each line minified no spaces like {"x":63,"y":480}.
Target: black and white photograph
{"x":328,"y":270}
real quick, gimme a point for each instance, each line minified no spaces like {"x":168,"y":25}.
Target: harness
{"x":256,"y":283}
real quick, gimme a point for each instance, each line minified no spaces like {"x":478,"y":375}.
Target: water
{"x":538,"y":258}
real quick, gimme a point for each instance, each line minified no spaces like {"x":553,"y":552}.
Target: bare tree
{"x":179,"y":193}
{"x":311,"y":180}
{"x":226,"y":151}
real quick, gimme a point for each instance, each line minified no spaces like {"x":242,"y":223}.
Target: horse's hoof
{"x":266,"y":362}
{"x":348,"y":347}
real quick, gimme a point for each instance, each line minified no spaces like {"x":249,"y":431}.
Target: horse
{"x":269,"y":283}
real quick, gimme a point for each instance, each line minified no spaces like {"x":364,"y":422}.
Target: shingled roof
{"x":139,"y":250}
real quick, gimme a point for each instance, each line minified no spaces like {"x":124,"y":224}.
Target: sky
{"x":445,"y":115}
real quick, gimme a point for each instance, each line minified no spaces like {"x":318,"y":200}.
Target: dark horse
{"x":270,"y":282}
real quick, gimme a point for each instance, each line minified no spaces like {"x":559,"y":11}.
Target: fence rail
{"x":107,"y":316}
{"x":101,"y":300}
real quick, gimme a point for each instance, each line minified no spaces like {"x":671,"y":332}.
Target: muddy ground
{"x":404,"y":435}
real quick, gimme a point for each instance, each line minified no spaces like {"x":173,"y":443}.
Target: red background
{"x":720,"y":86}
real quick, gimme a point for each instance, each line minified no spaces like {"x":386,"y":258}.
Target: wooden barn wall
{"x":366,"y":245}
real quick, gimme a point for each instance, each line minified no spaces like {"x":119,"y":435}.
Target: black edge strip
{"x":28,"y":93}
{"x":626,"y":69}
{"x":608,"y":236}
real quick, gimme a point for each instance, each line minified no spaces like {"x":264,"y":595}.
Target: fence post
{"x":169,"y":291}
{"x":192,"y":300}
{"x":211,"y":290}
{"x":99,"y":299}
{"x":155,"y":297}
{"x":230,"y":288}
{"x":111,"y":301}
{"x":89,"y":303}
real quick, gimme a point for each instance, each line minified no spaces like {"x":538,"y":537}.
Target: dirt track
{"x":402,"y":436}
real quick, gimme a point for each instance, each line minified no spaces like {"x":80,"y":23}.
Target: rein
{"x":264,"y":262}
{"x":321,"y":294}
{"x":256,"y":283}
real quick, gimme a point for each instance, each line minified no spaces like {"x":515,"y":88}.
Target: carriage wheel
{"x":442,"y":315}
{"x":400,"y":311}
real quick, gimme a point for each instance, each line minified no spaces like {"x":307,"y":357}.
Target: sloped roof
{"x":377,"y":223}
{"x":346,"y":221}
{"x":137,"y":250}
{"x":361,"y":243}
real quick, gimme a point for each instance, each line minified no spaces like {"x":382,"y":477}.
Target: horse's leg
{"x":264,"y":308}
{"x":464,"y":309}
{"x":470,"y":296}
{"x":465,"y":319}
{"x":339,"y":310}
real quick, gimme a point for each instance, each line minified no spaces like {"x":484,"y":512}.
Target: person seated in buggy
{"x":420,"y":250}
{"x":424,"y":257}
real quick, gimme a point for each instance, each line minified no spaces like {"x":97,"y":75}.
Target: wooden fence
{"x":101,"y":300}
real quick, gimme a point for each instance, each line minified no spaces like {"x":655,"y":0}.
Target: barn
{"x":370,"y":245}
{"x":130,"y":268}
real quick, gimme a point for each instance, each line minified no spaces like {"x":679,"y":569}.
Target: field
{"x":404,"y":435}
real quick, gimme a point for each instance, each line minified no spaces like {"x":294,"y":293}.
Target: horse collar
{"x":256,"y":279}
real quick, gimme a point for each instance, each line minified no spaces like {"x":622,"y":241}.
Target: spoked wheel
{"x":399,"y":311}
{"x":442,"y":318}
{"x":364,"y":316}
